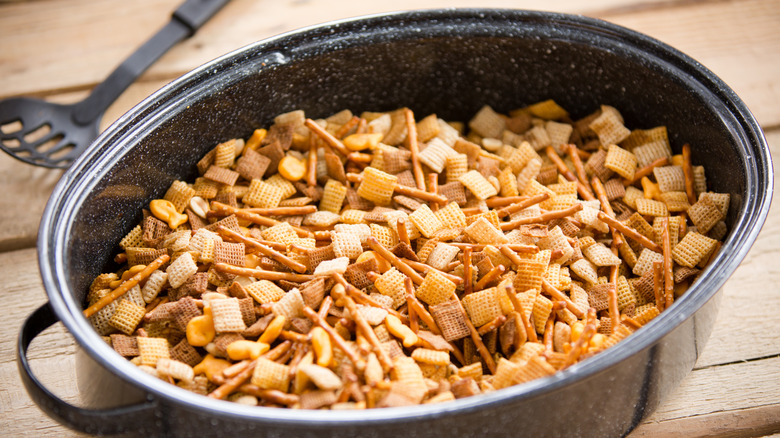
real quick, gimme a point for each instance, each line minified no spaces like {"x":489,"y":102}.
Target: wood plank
{"x":26,"y":189}
{"x":741,"y":50}
{"x":706,"y":391}
{"x":34,"y":59}
{"x":735,"y":423}
{"x":730,"y":400}
{"x":755,"y":281}
{"x":51,"y":354}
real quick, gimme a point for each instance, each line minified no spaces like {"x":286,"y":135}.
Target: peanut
{"x":199,"y":206}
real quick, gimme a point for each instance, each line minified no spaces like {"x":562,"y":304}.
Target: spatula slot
{"x":37,"y":133}
{"x":11,"y":127}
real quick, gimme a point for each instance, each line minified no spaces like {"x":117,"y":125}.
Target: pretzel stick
{"x":294,"y":337}
{"x":468,"y":277}
{"x":325,"y":305}
{"x":521,"y":205}
{"x":422,"y":267}
{"x":239,"y":379}
{"x":335,"y":338}
{"x":520,"y":337}
{"x":510,"y":254}
{"x":365,"y":329}
{"x":645,"y":171}
{"x":490,"y":277}
{"x":405,"y":190}
{"x":713,"y":253}
{"x":234,"y":382}
{"x":283,"y":211}
{"x":414,"y":322}
{"x":220,"y":208}
{"x":530,"y":331}
{"x":361,"y":128}
{"x":547,"y":337}
{"x":560,"y":296}
{"x":419,"y":194}
{"x":630,"y":323}
{"x":503,"y":201}
{"x":270,"y":252}
{"x":491,"y":325}
{"x":471,"y":211}
{"x":658,"y":275}
{"x":629,"y":232}
{"x":273,"y":245}
{"x":544,"y":217}
{"x":157,"y":302}
{"x":583,"y":154}
{"x":423,"y":314}
{"x":568,"y":174}
{"x":582,"y":176}
{"x":583,"y":340}
{"x":688,"y":173}
{"x":126,"y":285}
{"x":414,"y":148}
{"x":601,"y":194}
{"x":326,"y":137}
{"x":236,"y":368}
{"x":270,"y":395}
{"x":322,"y":235}
{"x":516,"y":247}
{"x":683,"y":224}
{"x":483,"y":351}
{"x":394,"y":260}
{"x":668,"y":278}
{"x":433,"y":187}
{"x":121,"y":258}
{"x":403,"y":234}
{"x":261,"y":274}
{"x":359,"y":296}
{"x":311,"y":163}
{"x":345,"y":128}
{"x":614,"y":310}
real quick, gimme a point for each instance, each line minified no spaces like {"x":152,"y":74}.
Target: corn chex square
{"x":435,"y":288}
{"x":426,"y":221}
{"x":482,"y":231}
{"x":478,"y":185}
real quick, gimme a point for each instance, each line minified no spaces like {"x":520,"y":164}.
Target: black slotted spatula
{"x":53,"y":135}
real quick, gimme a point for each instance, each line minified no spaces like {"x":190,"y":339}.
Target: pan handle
{"x":91,"y":421}
{"x":187,"y":19}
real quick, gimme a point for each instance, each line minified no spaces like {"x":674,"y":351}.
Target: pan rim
{"x":53,"y":236}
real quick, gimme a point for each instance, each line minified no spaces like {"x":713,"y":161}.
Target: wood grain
{"x":740,"y":49}
{"x":34,"y":59}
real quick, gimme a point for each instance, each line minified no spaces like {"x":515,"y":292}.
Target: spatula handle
{"x":188,"y":18}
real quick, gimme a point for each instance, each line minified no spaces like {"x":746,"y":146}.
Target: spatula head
{"x":43,"y":133}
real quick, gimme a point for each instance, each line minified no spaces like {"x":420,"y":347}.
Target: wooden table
{"x":59,"y":49}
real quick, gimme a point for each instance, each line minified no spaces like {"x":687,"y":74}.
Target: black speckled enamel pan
{"x":450,"y":62}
